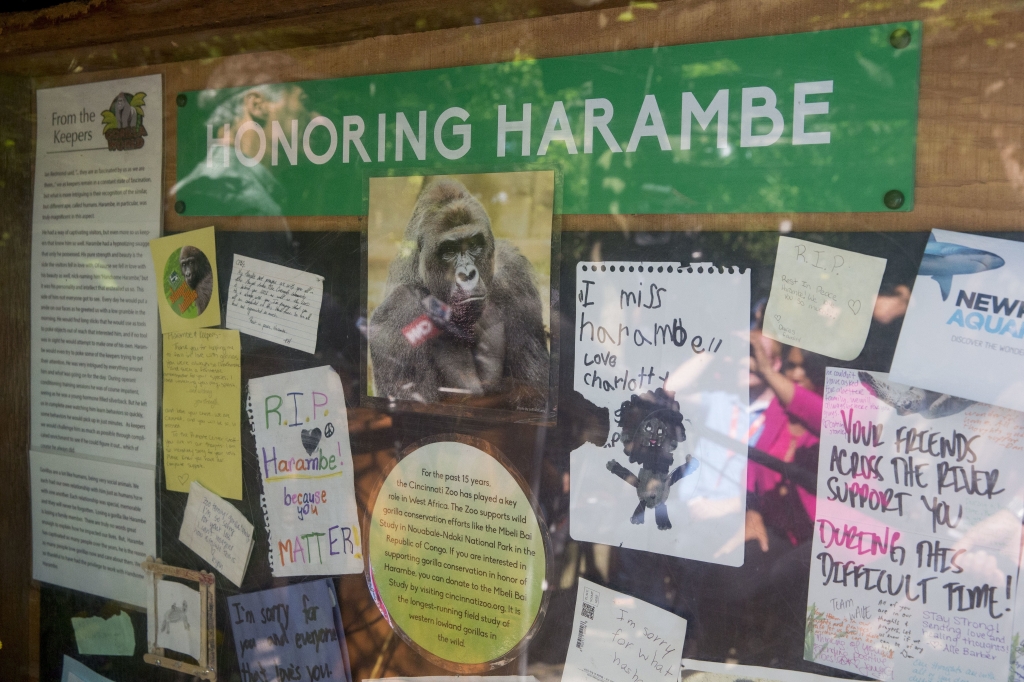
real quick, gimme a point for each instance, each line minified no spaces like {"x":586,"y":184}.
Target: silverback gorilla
{"x":493,"y":342}
{"x":195,"y":267}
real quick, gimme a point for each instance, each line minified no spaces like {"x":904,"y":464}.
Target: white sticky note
{"x":964,"y":330}
{"x":618,"y":638}
{"x":822,"y":298}
{"x":275,"y":303}
{"x":178,"y":618}
{"x":216,"y":531}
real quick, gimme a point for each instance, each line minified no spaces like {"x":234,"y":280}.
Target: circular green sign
{"x":457,"y":559}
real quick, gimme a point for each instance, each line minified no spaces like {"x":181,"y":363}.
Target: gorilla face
{"x":457,"y":256}
{"x":651,"y":444}
{"x":194,"y":265}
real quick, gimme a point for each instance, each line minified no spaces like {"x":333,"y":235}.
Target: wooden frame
{"x":207,"y":668}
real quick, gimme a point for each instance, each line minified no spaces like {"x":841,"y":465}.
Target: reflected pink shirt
{"x":806,"y":408}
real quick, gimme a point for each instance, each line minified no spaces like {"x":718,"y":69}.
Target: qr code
{"x":588,"y":611}
{"x":579,"y":638}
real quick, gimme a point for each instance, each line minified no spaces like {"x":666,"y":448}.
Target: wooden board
{"x":970,"y":160}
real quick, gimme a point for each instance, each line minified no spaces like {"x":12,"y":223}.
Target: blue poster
{"x":290,"y":633}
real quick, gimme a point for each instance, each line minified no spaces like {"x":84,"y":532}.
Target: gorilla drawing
{"x":195,"y":267}
{"x":652,"y":428}
{"x":123,"y":111}
{"x":490,"y":341}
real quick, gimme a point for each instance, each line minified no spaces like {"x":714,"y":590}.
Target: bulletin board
{"x":967,"y":177}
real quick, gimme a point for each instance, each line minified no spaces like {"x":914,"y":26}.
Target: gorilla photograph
{"x":188,"y":281}
{"x":459,"y":289}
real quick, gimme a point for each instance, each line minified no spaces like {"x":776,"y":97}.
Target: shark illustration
{"x":942,"y":260}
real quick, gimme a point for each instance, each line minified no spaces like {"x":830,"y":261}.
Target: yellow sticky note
{"x":202,"y":411}
{"x":186,"y":275}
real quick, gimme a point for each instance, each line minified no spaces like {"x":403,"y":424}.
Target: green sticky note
{"x":113,"y":636}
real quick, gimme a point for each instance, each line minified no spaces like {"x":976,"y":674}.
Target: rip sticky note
{"x":186,"y":280}
{"x":822,"y":298}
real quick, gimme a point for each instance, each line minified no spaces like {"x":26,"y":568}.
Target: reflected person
{"x":237,"y":189}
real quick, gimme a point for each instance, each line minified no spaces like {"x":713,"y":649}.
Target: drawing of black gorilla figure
{"x":195,"y":267}
{"x":652,"y":428}
{"x":494,"y":342}
{"x":123,"y":111}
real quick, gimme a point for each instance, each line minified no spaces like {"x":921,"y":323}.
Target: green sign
{"x":813,"y":122}
{"x":457,"y":556}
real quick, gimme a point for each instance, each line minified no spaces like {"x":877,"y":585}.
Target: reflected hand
{"x":760,"y":363}
{"x":755,"y":530}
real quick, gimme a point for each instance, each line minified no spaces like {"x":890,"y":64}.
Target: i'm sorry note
{"x":290,"y":633}
{"x":822,"y":298}
{"x":301,"y":430}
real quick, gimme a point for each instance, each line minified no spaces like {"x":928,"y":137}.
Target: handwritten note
{"x":178,"y":618}
{"x":917,"y":533}
{"x":216,"y":531}
{"x":202,"y":423}
{"x":305,"y":460}
{"x":112,"y":636}
{"x":822,"y":298}
{"x":618,"y":638}
{"x":290,"y":633}
{"x":642,"y":327}
{"x":275,"y":303}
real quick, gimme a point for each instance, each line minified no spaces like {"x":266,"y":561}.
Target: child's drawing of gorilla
{"x":124,"y":112}
{"x":493,"y":343}
{"x":652,"y":427}
{"x":195,"y":267}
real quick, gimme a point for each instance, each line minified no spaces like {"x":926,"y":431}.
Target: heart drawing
{"x":310,"y":439}
{"x":182,"y":479}
{"x":778,"y":318}
{"x":854,"y":306}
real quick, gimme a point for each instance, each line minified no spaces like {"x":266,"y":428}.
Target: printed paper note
{"x":216,"y":531}
{"x":822,"y":298}
{"x":98,"y":636}
{"x":94,"y":324}
{"x":642,"y":328}
{"x":178,"y":618}
{"x":618,"y":638}
{"x":964,"y":329}
{"x":186,"y":275}
{"x":93,"y":524}
{"x":290,"y":633}
{"x":202,"y":407}
{"x":275,"y":303}
{"x":917,"y":532}
{"x":305,"y":460}
{"x":78,"y":672}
